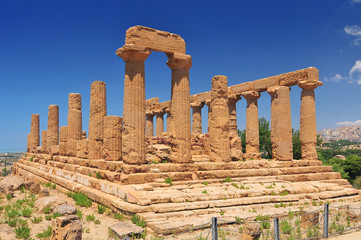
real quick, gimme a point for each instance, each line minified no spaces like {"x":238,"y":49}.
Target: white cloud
{"x":354,"y":75}
{"x":354,"y":31}
{"x":336,"y":78}
{"x":349,"y":123}
{"x":356,"y":1}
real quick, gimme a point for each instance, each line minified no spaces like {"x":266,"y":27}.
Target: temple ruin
{"x":163,"y":175}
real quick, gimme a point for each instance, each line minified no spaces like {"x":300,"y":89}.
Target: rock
{"x":310,"y":219}
{"x":35,"y":188}
{"x":52,"y":201}
{"x":44,"y":192}
{"x":354,"y":211}
{"x":251,"y":231}
{"x":28,"y":184}
{"x":11,"y":183}
{"x":65,"y":209}
{"x":124,"y":229}
{"x":67,"y":228}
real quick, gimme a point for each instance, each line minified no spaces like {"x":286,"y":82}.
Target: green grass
{"x":119,"y":216}
{"x":36,"y":219}
{"x":273,"y":193}
{"x":12,"y":213}
{"x":82,"y":200}
{"x":22,"y":189}
{"x":205,"y":192}
{"x":56,"y":215}
{"x":47,"y":209}
{"x":227,"y":179}
{"x":235,"y":185}
{"x":169,"y":181}
{"x":48,"y":184}
{"x":31,"y":159}
{"x":90,"y":217}
{"x":286,"y":226}
{"x":97,"y":175}
{"x":138,"y":220}
{"x":22,"y":222}
{"x":97,"y":221}
{"x":205,"y":183}
{"x":222,"y":213}
{"x":26,"y":212}
{"x":12,"y":223}
{"x":48,"y":217}
{"x":9,"y":196}
{"x":46,"y":233}
{"x":101,"y":209}
{"x":53,"y":186}
{"x":22,"y":232}
{"x":79,"y":213}
{"x":283,"y":193}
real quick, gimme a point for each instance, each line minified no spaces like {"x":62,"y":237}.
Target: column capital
{"x":131,"y":53}
{"x":149,"y":114}
{"x":197,"y":105}
{"x":309,"y":85}
{"x":158,"y":112}
{"x":167,"y":110}
{"x":251,"y":95}
{"x":234,"y":98}
{"x":179,"y":61}
{"x":208,"y":102}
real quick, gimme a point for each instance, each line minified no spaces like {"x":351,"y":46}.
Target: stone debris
{"x":49,"y":201}
{"x":66,"y":228}
{"x":65,"y":209}
{"x":11,"y":184}
{"x":124,"y":229}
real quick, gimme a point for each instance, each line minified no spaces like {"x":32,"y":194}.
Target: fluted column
{"x":63,"y":140}
{"x":53,"y":127}
{"x":74,"y":123}
{"x":219,"y":123}
{"x":112,"y":142}
{"x":236,"y":142}
{"x":180,"y":107}
{"x":98,"y":110}
{"x":43,"y":140}
{"x":133,"y":139}
{"x":34,"y":132}
{"x":149,"y":124}
{"x":197,"y":118}
{"x":208,"y":103}
{"x":159,"y":124}
{"x":167,"y":111}
{"x":252,"y":128}
{"x":28,"y":143}
{"x":281,"y":124}
{"x":308,"y":129}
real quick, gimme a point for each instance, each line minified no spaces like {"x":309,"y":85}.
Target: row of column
{"x":104,"y":131}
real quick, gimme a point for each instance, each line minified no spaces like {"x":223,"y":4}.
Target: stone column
{"x":308,"y":130}
{"x":53,"y":127}
{"x":219,"y":123}
{"x":74,"y":123}
{"x":252,"y":128}
{"x":133,"y":139}
{"x":28,"y":143}
{"x":167,"y":111}
{"x":159,"y":124}
{"x":208,"y":103}
{"x":43,"y":141}
{"x":236,"y":142}
{"x":98,"y":110}
{"x":180,"y":108}
{"x":197,"y":118}
{"x":63,"y":141}
{"x":281,"y":124}
{"x":112,"y":138}
{"x":149,"y":124}
{"x":34,"y":132}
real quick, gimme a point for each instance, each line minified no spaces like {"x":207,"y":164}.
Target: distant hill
{"x":351,"y":133}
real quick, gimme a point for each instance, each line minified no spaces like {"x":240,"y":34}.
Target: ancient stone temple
{"x":180,"y":174}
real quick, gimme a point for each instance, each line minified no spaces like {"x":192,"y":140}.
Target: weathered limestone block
{"x":159,"y":125}
{"x":65,"y":209}
{"x":98,"y":110}
{"x":82,"y":148}
{"x":180,"y":131}
{"x":133,"y":139}
{"x":34,"y":132}
{"x":240,"y":88}
{"x":155,"y":40}
{"x":43,"y":140}
{"x":236,"y":142}
{"x":112,"y":143}
{"x":28,"y":143}
{"x":308,"y":130}
{"x":281,"y":125}
{"x":197,"y":117}
{"x":53,"y":127}
{"x":219,"y":123}
{"x":149,"y":124}
{"x":66,"y":228}
{"x":74,"y":122}
{"x":252,"y":128}
{"x":309,"y":220}
{"x":63,"y":137}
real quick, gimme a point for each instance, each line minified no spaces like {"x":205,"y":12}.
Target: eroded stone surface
{"x":66,"y":228}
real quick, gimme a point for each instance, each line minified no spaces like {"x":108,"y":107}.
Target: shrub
{"x":101,"y":209}
{"x":169,"y":181}
{"x":22,"y":222}
{"x":82,"y":200}
{"x":46,"y":233}
{"x":22,"y":189}
{"x":137,"y":220}
{"x":222,"y":213}
{"x":69,"y":194}
{"x":119,"y":216}
{"x":90,"y":217}
{"x":22,"y":232}
{"x":273,"y":193}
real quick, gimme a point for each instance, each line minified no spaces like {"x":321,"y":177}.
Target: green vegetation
{"x":48,"y":184}
{"x":97,"y":221}
{"x":119,"y":216}
{"x":36,"y":219}
{"x":9,"y":196}
{"x":79,"y":213}
{"x":82,"y":200}
{"x":227,"y":179}
{"x":26,"y":212}
{"x":90,"y":217}
{"x":47,"y":209}
{"x":48,"y":217}
{"x":22,"y":232}
{"x":97,"y":175}
{"x":169,"y":181}
{"x":205,"y":183}
{"x":205,"y":192}
{"x":46,"y":233}
{"x":101,"y":209}
{"x":138,"y":220}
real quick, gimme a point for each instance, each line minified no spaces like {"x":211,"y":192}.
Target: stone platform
{"x":199,"y":190}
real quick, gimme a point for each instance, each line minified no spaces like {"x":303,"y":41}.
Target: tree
{"x":242,"y":135}
{"x":265,"y":143}
{"x":296,"y":144}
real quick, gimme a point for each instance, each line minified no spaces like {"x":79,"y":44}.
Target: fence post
{"x":276,"y":228}
{"x":214,"y":229}
{"x":325,"y":220}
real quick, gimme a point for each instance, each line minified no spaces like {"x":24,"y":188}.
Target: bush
{"x":138,"y":220}
{"x":46,"y":233}
{"x":22,"y":232}
{"x":82,"y":200}
{"x":53,"y":186}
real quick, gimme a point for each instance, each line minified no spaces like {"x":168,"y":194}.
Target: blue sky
{"x":49,"y":49}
